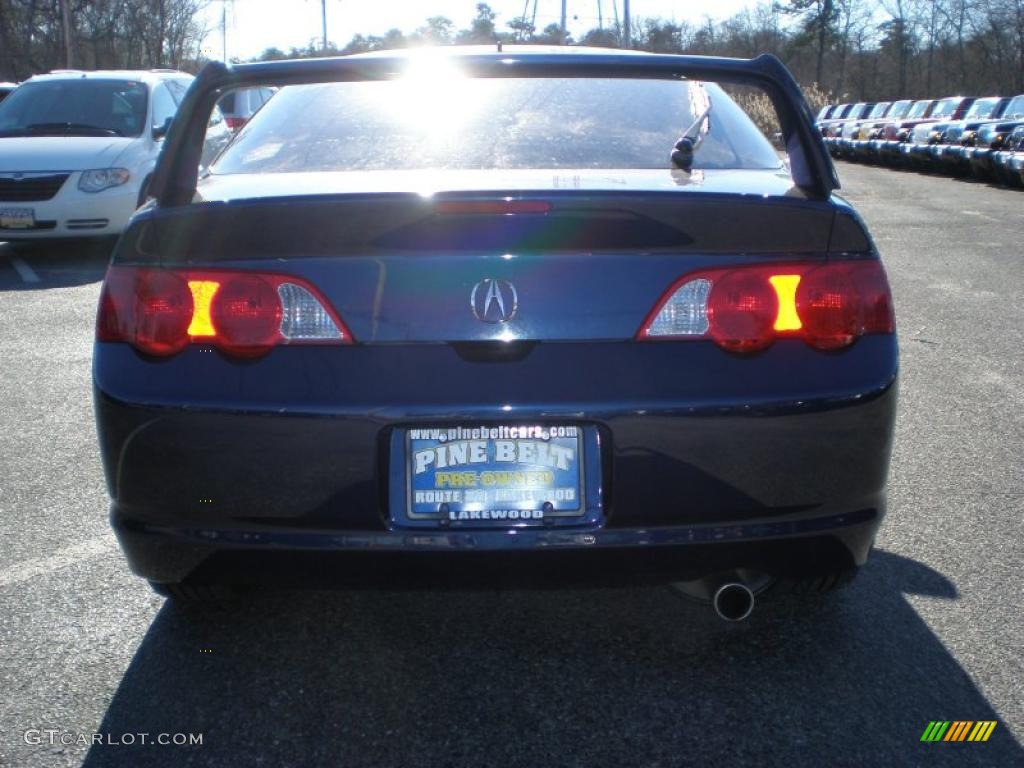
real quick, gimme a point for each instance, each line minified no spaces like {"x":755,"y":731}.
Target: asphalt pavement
{"x":933,"y":629}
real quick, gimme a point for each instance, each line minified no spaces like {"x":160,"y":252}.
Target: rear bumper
{"x":863,"y":148}
{"x":845,"y":146}
{"x":1016,"y":166}
{"x":1001,"y":165}
{"x":981,"y":159}
{"x":891,"y":149}
{"x":914,"y":153}
{"x":725,"y":461}
{"x":953,"y":155}
{"x":784,"y":546}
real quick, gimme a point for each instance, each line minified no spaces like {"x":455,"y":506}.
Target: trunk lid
{"x":444,"y":263}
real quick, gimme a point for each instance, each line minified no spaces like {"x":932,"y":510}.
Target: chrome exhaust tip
{"x":733,"y":601}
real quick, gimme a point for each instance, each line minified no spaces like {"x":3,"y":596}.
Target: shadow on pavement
{"x":61,"y":264}
{"x":631,"y":677}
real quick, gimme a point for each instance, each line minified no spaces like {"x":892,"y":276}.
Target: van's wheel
{"x":197,"y":594}
{"x":819,"y":583}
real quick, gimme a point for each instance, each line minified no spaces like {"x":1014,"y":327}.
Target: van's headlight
{"x":102,"y":178}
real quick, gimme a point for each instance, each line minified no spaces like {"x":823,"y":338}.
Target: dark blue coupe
{"x":523,"y":314}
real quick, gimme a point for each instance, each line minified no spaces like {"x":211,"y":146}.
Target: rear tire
{"x":197,"y":594}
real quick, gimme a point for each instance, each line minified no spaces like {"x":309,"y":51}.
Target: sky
{"x":254,"y":25}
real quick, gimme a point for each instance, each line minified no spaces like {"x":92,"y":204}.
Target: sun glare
{"x":435,"y":96}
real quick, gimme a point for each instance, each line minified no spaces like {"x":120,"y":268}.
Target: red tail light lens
{"x":745,"y":309}
{"x":829,"y":308}
{"x":234,"y":123}
{"x":116,"y":300}
{"x":872,"y":287}
{"x":245,"y":314}
{"x":162,"y":312}
{"x":742,"y":308}
{"x":840,"y":301}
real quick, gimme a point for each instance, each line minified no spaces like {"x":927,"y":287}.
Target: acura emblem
{"x":494,"y":301}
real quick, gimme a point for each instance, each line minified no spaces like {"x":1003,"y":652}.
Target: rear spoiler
{"x":174,"y":181}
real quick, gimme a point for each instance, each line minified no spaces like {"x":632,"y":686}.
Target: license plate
{"x":17,"y":218}
{"x":495,"y":475}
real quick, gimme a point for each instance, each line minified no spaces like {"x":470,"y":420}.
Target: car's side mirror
{"x":159,"y":131}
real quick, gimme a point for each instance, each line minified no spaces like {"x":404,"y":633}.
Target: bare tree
{"x":817,"y":23}
{"x":897,"y":40}
{"x":103,"y":34}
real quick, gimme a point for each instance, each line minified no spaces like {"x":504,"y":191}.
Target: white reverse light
{"x":303,"y":317}
{"x":685,"y":313}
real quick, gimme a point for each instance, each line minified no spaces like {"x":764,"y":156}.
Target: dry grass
{"x":759,"y":107}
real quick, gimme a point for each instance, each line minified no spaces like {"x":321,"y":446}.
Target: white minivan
{"x":77,"y":149}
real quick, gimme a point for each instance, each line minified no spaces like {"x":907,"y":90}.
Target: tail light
{"x":745,"y":309}
{"x":741,"y":311}
{"x":234,"y":123}
{"x":244,"y":314}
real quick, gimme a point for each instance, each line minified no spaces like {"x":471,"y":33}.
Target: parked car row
{"x":77,"y":148}
{"x":958,"y":135}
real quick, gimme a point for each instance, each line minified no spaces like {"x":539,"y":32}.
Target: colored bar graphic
{"x":935,"y":730}
{"x":958,"y":730}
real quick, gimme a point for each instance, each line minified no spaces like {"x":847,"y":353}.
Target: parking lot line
{"x":980,"y":215}
{"x":62,"y":558}
{"x":26,"y":272}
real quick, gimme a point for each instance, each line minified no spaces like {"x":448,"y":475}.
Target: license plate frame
{"x":17,"y":217}
{"x":521,"y":501}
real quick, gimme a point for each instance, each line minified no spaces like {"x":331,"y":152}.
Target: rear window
{"x":899,"y":109}
{"x":482,"y":124}
{"x":982,"y":108}
{"x":946,"y":107}
{"x":227,"y":102}
{"x":80,"y":106}
{"x":1015,"y":108}
{"x":918,"y":109}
